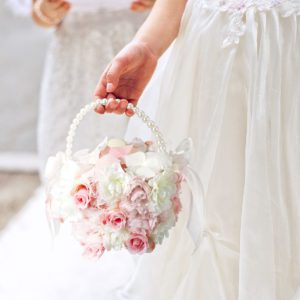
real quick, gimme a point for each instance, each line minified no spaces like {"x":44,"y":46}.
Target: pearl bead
{"x":91,"y":106}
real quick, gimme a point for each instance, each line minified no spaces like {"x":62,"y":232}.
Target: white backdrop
{"x":22,"y":51}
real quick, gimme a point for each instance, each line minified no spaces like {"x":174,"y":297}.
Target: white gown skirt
{"x":241,"y":106}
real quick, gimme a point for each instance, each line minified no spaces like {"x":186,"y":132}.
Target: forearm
{"x":162,"y":25}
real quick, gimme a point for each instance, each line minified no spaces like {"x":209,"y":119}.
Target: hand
{"x":141,"y":5}
{"x":126,"y":77}
{"x":49,"y":12}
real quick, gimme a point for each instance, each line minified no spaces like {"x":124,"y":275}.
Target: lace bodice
{"x":237,"y":9}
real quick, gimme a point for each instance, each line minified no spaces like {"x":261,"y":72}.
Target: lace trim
{"x":237,"y":10}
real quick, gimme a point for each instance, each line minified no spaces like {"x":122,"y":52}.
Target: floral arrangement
{"x":120,"y":195}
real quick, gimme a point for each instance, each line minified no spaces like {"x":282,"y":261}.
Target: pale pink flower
{"x":137,"y":243}
{"x":104,"y":162}
{"x":136,"y":196}
{"x":116,"y":219}
{"x":176,"y":204}
{"x":164,"y":216}
{"x":138,"y":224}
{"x":93,"y":251}
{"x":84,"y":194}
{"x":119,"y":152}
{"x":142,"y":223}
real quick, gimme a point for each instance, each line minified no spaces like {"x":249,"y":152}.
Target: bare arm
{"x":162,"y":25}
{"x":130,"y":71}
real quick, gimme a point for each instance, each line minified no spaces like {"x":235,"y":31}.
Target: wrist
{"x":147,"y":46}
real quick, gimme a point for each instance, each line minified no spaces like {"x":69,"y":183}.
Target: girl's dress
{"x":231,"y":82}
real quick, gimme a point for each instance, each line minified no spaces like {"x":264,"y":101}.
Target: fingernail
{"x":109,"y":87}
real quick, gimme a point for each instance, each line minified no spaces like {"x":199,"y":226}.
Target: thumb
{"x":113,"y":74}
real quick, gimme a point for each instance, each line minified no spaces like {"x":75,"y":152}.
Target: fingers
{"x":113,"y":74}
{"x":118,"y":107}
{"x":100,"y":90}
{"x":53,"y":10}
{"x":100,"y":109}
{"x":129,"y":112}
{"x":112,"y":104}
{"x":141,"y":5}
{"x":109,"y":80}
{"x":122,"y":107}
{"x":54,"y":3}
{"x":63,"y":6}
{"x":62,"y":10}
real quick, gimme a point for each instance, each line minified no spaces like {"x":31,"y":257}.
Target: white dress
{"x":231,"y":82}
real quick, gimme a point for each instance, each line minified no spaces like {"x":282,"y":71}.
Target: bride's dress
{"x":230,"y":81}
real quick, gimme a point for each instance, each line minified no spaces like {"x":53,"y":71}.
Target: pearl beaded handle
{"x":92,"y":106}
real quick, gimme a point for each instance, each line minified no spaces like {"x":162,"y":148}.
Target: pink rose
{"x":140,"y":224}
{"x":93,"y":251}
{"x":176,"y":204}
{"x":114,"y":218}
{"x":137,"y":195}
{"x":137,"y":243}
{"x":85,"y":194}
{"x":82,"y":197}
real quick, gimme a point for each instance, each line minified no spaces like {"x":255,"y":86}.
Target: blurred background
{"x":33,"y":265}
{"x":22,"y":54}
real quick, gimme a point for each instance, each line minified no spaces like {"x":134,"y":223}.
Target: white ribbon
{"x":195,"y":224}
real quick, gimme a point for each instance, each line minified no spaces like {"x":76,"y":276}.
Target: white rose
{"x":163,"y":188}
{"x":163,"y":228}
{"x":116,"y":143}
{"x":115,"y":240}
{"x":148,"y":164}
{"x":54,"y":164}
{"x":112,"y":183}
{"x":61,"y":175}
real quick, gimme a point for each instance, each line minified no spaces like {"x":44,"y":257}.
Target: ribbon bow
{"x":182,"y":156}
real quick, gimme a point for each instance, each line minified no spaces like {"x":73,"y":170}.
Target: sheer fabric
{"x":240,"y":103}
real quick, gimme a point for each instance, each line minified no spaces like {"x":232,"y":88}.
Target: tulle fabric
{"x":241,"y":107}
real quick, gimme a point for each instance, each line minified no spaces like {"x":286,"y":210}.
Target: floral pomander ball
{"x":120,"y":195}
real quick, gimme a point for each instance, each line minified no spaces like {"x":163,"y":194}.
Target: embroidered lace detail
{"x":237,"y":10}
